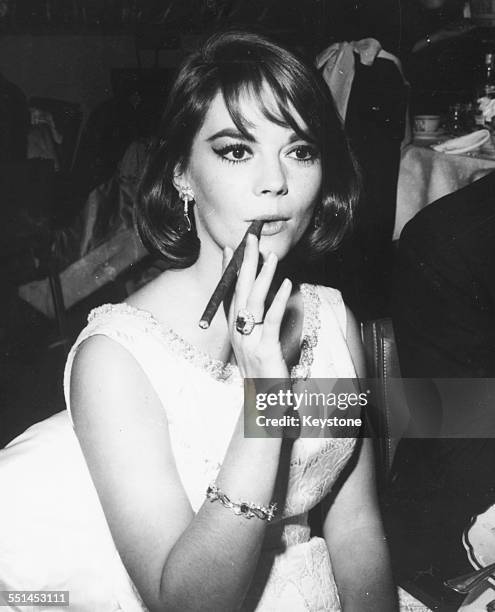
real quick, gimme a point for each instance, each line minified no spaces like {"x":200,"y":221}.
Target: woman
{"x":156,"y":402}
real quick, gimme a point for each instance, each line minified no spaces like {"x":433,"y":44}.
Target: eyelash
{"x":224,"y":151}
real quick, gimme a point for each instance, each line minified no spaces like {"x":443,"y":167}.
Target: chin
{"x":270,"y":244}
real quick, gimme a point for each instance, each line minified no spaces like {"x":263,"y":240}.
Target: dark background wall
{"x":74,"y":68}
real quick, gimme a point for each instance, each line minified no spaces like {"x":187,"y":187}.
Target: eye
{"x":234,"y":153}
{"x":304,"y":153}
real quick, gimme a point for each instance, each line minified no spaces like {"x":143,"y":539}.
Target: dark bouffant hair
{"x":235,"y":63}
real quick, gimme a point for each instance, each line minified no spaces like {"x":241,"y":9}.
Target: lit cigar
{"x":228,"y":277}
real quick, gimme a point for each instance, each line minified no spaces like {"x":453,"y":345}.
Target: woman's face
{"x":273,"y":175}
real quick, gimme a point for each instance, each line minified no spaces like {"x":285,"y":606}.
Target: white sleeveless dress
{"x":53,"y":533}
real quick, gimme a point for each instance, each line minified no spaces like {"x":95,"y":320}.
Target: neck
{"x":206,"y":271}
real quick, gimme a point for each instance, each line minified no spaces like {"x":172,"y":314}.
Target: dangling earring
{"x":186,"y":194}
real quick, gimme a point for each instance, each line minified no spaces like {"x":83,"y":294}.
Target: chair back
{"x":388,"y":413}
{"x":27,"y":205}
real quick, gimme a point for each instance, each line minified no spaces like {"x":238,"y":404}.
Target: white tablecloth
{"x":426,"y":176}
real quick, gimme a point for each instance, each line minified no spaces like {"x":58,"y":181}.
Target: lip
{"x":267,"y":218}
{"x":271,"y":228}
{"x":272,"y":224}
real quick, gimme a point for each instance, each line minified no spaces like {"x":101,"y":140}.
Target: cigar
{"x":228,"y":277}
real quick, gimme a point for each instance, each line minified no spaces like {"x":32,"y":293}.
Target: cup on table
{"x":426,"y":124}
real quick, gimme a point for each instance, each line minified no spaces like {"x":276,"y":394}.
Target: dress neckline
{"x":216,"y":368}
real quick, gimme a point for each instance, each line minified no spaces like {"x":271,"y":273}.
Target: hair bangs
{"x":252,"y":81}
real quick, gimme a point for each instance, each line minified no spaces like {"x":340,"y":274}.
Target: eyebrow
{"x":231,"y":133}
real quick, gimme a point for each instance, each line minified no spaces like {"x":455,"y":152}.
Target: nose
{"x":271,"y":177}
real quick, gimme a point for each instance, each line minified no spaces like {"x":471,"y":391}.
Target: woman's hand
{"x":258,"y":354}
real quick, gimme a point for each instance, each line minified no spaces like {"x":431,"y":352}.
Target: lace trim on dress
{"x":217,"y":369}
{"x":311,"y":328}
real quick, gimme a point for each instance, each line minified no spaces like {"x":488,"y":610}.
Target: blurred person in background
{"x":444,"y":321}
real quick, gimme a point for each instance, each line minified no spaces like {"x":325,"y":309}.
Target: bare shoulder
{"x":100,"y":354}
{"x":105,"y":379}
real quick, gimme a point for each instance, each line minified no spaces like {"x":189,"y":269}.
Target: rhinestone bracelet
{"x":245,"y":509}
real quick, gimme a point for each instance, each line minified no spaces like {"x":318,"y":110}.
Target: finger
{"x":257,"y":297}
{"x":275,"y":314}
{"x":247,"y":272}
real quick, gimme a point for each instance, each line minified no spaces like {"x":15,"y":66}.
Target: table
{"x":426,"y":175}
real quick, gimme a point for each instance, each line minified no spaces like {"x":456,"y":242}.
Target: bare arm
{"x":353,"y":338}
{"x":177,"y":559}
{"x":354,"y":534}
{"x":353,"y":528}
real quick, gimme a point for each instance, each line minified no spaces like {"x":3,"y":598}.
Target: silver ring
{"x":244,"y":322}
